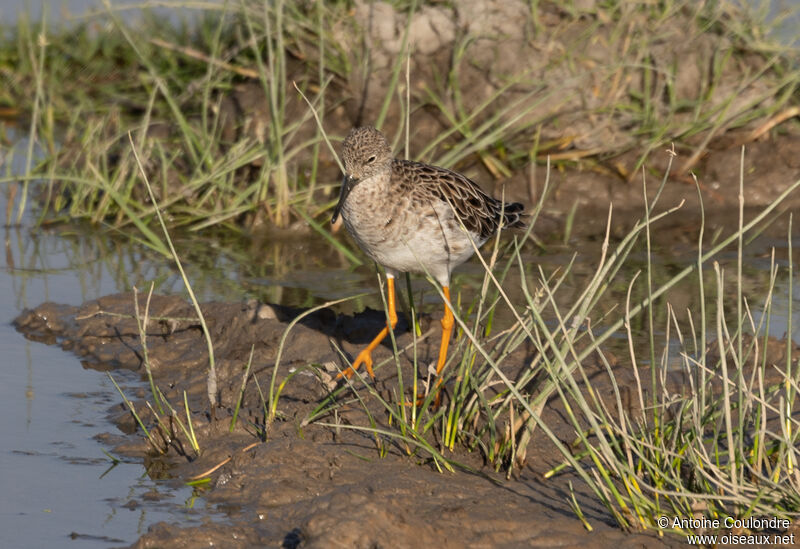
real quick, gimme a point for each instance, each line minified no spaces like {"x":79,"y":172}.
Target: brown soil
{"x":312,"y":486}
{"x":769,"y":167}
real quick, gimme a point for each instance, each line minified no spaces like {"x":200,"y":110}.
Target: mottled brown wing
{"x":478,"y":212}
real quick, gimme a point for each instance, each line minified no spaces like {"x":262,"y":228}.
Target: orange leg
{"x":447,"y":331}
{"x":365,"y":356}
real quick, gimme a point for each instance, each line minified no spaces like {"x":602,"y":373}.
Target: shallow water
{"x":59,"y":11}
{"x":58,"y":485}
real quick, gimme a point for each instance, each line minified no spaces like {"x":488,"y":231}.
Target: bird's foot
{"x":364,"y":357}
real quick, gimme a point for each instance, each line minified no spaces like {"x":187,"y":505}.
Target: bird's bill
{"x":347,"y":185}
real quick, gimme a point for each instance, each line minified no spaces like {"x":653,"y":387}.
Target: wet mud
{"x":316,"y":485}
{"x":310,"y":485}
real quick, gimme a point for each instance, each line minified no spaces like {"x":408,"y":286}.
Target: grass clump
{"x":218,"y":124}
{"x":180,"y":93}
{"x":701,"y":429}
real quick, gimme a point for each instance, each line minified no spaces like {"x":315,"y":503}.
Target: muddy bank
{"x":310,"y":485}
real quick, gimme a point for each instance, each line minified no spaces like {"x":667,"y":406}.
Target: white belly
{"x":404,"y":239}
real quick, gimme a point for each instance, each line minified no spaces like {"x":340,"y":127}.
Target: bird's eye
{"x":371,"y":159}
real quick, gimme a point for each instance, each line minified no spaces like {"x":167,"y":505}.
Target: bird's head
{"x":365,"y":153}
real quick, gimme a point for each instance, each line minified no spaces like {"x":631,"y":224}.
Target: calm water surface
{"x":59,"y":488}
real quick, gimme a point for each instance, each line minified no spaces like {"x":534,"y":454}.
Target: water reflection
{"x":53,"y":408}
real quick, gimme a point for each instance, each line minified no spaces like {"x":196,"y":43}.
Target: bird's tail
{"x":514,"y":216}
